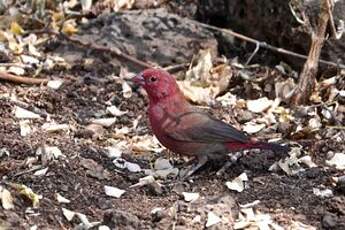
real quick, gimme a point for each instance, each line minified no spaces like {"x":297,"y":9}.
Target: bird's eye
{"x":153,"y":79}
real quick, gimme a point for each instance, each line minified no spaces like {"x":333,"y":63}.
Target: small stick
{"x":267,"y":46}
{"x":22,"y":80}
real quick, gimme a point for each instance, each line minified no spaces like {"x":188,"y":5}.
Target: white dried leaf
{"x":202,"y":70}
{"x":68,"y":214}
{"x":212,"y":219}
{"x":196,"y":94}
{"x":338,"y":161}
{"x":190,"y":196}
{"x":113,"y":191}
{"x":105,"y":122}
{"x":115,"y":111}
{"x":291,"y":165}
{"x":307,"y":161}
{"x":29,"y":59}
{"x":146,"y":143}
{"x":55,"y":84}
{"x":53,"y":127}
{"x":314,"y":123}
{"x":326,"y":193}
{"x":25,"y":114}
{"x":3,"y":152}
{"x":25,"y":128}
{"x":164,"y":173}
{"x":227,"y":99}
{"x":326,"y":113}
{"x":41,"y":172}
{"x":86,"y":5}
{"x":33,"y":50}
{"x":250,"y":205}
{"x":162,"y":163}
{"x":259,"y":105}
{"x":237,"y":184}
{"x":6,"y":198}
{"x":62,"y":199}
{"x":342,"y":93}
{"x":103,"y":227}
{"x":16,"y":70}
{"x":123,"y":164}
{"x":52,"y":151}
{"x":113,"y":152}
{"x":132,"y":167}
{"x":126,"y":90}
{"x":251,"y":127}
{"x":144,"y":181}
{"x":123,"y":5}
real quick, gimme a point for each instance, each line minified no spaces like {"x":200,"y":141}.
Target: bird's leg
{"x":233,"y":159}
{"x":202,"y":159}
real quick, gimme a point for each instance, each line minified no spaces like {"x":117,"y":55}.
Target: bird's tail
{"x":235,"y":146}
{"x":278,"y":148}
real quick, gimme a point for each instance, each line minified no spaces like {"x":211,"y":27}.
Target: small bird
{"x":185,"y":129}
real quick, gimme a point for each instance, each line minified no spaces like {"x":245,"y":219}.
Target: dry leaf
{"x":16,"y":28}
{"x":6,"y":199}
{"x":113,"y":191}
{"x":237,"y":184}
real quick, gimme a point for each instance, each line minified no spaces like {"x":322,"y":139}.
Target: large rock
{"x":150,"y":35}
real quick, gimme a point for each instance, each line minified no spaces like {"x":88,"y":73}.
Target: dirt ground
{"x":285,"y":198}
{"x":90,"y":85}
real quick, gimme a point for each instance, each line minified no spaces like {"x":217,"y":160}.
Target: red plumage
{"x":183,"y":128}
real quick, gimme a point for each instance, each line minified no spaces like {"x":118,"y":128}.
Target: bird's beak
{"x":139,"y":79}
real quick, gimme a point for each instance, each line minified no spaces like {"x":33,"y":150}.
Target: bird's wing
{"x":202,"y":128}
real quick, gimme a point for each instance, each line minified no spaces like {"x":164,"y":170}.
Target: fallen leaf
{"x":68,"y":214}
{"x":28,"y":193}
{"x":53,"y":127}
{"x":212,"y":219}
{"x":237,"y":184}
{"x":16,"y":28}
{"x":259,"y":105}
{"x":41,"y":172}
{"x":6,"y":199}
{"x":123,"y":164}
{"x":25,"y":128}
{"x":338,"y":161}
{"x":86,"y":5}
{"x":326,"y":193}
{"x":16,"y":70}
{"x":113,"y":191}
{"x":105,"y":122}
{"x":113,"y":110}
{"x":26,"y":114}
{"x":190,"y":196}
{"x":62,"y":199}
{"x":55,"y":84}
{"x":126,"y":90}
{"x":252,"y":127}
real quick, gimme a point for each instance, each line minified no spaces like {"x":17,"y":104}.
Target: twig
{"x":176,"y":68}
{"x":307,"y":78}
{"x":253,"y":54}
{"x":23,"y":80}
{"x":267,"y":46}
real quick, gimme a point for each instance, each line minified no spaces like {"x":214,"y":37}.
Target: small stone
{"x":329,"y":221}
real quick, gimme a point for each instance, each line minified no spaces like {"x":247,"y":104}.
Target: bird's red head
{"x":158,"y":83}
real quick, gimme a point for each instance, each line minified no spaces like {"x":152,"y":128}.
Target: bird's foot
{"x":185,"y":174}
{"x":233,"y":159}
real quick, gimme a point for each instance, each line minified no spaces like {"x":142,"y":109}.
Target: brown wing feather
{"x":202,"y":128}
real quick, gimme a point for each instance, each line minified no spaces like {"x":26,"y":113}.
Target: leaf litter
{"x":207,"y":82}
